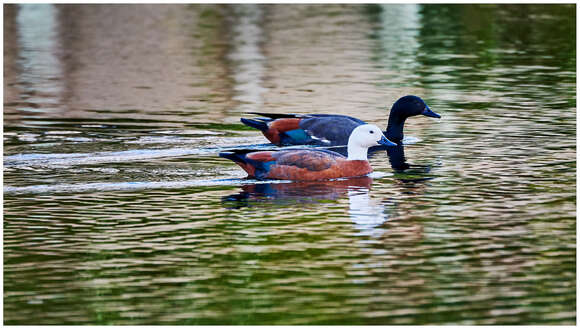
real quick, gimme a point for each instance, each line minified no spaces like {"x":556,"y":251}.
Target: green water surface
{"x":118,"y":211}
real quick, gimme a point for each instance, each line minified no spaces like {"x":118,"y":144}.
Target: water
{"x":117,"y":209}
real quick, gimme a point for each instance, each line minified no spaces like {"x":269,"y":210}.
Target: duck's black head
{"x":404,"y":107}
{"x":408,"y":106}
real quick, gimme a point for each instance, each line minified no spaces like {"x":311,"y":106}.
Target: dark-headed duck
{"x":333,"y":129}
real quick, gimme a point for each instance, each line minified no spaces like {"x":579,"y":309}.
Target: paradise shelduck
{"x":312,"y":164}
{"x":332,"y":129}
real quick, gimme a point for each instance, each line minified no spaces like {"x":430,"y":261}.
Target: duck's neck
{"x":395,"y":127}
{"x":356,"y":152}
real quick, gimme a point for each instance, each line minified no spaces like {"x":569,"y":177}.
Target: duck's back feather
{"x":330,"y":130}
{"x":304,"y":129}
{"x":302,"y":165}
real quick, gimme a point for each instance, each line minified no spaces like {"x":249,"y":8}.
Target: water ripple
{"x":118,"y":211}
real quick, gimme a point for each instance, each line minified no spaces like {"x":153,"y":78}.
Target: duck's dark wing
{"x":330,"y":130}
{"x":314,"y":129}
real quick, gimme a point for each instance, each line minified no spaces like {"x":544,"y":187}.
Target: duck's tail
{"x":238,"y":156}
{"x":255,"y":164}
{"x":262,"y":123}
{"x":255,"y":123}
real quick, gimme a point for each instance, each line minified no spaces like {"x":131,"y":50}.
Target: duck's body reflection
{"x":303,"y":192}
{"x":365,"y":212}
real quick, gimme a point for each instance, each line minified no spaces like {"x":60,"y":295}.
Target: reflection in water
{"x":399,"y":162}
{"x":303,"y":192}
{"x":365,"y":212}
{"x":396,"y":155}
{"x":247,"y":59}
{"x":397,"y":158}
{"x":398,"y":38}
{"x":40,"y":80}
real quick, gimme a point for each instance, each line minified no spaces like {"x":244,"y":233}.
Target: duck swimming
{"x":333,"y":129}
{"x":312,"y":164}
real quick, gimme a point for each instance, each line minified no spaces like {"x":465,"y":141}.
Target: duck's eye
{"x":372,"y":131}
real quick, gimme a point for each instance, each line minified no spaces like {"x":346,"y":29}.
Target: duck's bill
{"x":427,"y":112}
{"x":385,"y":141}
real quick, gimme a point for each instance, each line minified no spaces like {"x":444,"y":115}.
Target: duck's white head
{"x":363,"y":137}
